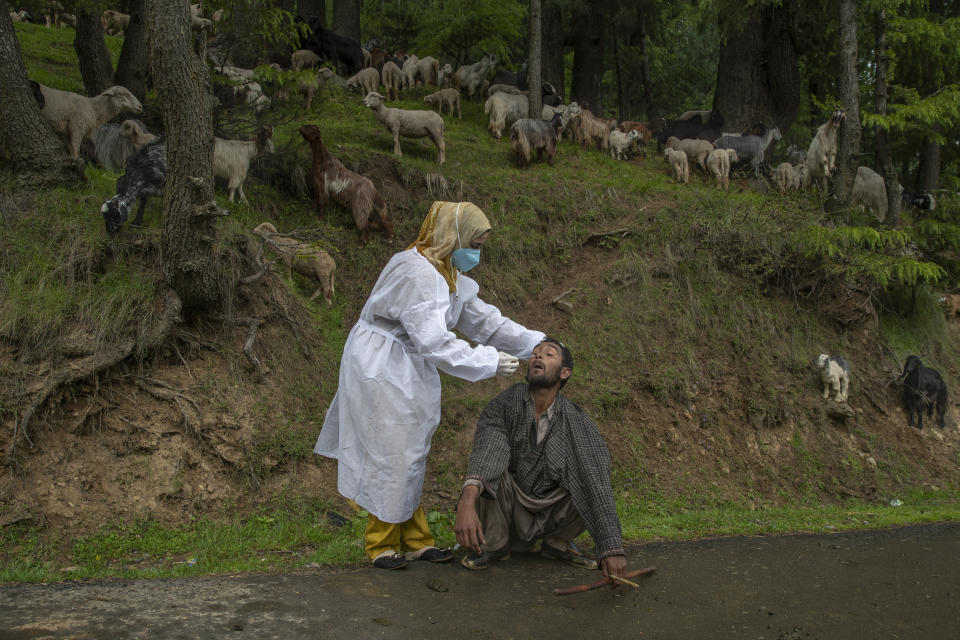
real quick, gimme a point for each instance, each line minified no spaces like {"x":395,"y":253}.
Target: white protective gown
{"x":387,"y":407}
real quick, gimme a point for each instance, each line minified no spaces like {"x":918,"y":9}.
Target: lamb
{"x":923,"y":389}
{"x":870,"y":192}
{"x":427,"y":70}
{"x":528,"y":135}
{"x":587,"y":128}
{"x":445,"y":97}
{"x":231,"y":159}
{"x":303,"y":59}
{"x":566,"y":113}
{"x":696,"y":150}
{"x":391,"y":77}
{"x":145,"y":175}
{"x":75,"y":117}
{"x":787,"y":177}
{"x":366,"y":80}
{"x":304,"y":259}
{"x":822,"y":155}
{"x":349,"y":189}
{"x":835,"y":376}
{"x":621,"y":143}
{"x":114,"y":23}
{"x":409,"y":73}
{"x":678,"y":163}
{"x":136,"y":132}
{"x":504,"y":109}
{"x":408,"y":123}
{"x":750,"y":148}
{"x":718,"y":164}
{"x":469,"y":78}
{"x":113,"y":147}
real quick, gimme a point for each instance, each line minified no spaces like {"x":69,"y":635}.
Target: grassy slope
{"x":697,"y":372}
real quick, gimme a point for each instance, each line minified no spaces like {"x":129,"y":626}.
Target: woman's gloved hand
{"x":507,"y":365}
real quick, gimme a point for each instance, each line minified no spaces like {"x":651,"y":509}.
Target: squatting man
{"x":539,"y":470}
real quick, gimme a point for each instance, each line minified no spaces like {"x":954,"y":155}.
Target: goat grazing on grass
{"x":835,"y":376}
{"x":923,"y":389}
{"x":366,"y":80}
{"x":528,"y":136}
{"x":231,"y":159}
{"x":145,"y":175}
{"x":304,"y":259}
{"x":445,"y":97}
{"x":349,"y":189}
{"x":408,"y":123}
{"x":75,"y":117}
{"x":822,"y":155}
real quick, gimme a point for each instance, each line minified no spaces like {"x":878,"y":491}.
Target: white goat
{"x":835,"y":376}
{"x":621,"y":144}
{"x":408,"y":123}
{"x":231,"y":159}
{"x":822,"y":155}
{"x":718,"y":164}
{"x":75,"y":117}
{"x":678,"y":163}
{"x":504,"y":109}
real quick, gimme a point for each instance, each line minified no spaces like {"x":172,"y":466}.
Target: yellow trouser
{"x":412,"y":535}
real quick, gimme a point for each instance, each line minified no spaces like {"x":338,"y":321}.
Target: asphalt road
{"x":900,"y":583}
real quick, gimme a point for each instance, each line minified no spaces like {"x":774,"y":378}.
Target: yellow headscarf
{"x":438,"y":234}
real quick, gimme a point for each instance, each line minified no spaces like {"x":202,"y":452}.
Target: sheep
{"x":75,"y":117}
{"x":231,"y":159}
{"x":504,"y":109}
{"x":408,"y":123}
{"x":114,"y":23}
{"x":528,"y":135}
{"x":144,"y":176}
{"x":304,"y":259}
{"x":923,"y":389}
{"x":566,"y":113}
{"x":787,"y":177}
{"x":391,"y":77}
{"x":696,"y":150}
{"x":678,"y":163}
{"x":469,"y":78}
{"x":749,"y":148}
{"x":448,"y":97}
{"x":409,"y":73}
{"x":349,"y":189}
{"x":113,"y":147}
{"x":621,"y":143}
{"x":366,"y":80}
{"x":200,"y":24}
{"x":427,"y":70}
{"x":870,"y":192}
{"x":822,"y":155}
{"x":303,"y":59}
{"x":718,"y":164}
{"x":587,"y":128}
{"x":642,"y":130}
{"x":445,"y":76}
{"x":136,"y":132}
{"x":835,"y":376}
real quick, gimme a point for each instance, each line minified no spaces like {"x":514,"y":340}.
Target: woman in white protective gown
{"x":387,"y":406}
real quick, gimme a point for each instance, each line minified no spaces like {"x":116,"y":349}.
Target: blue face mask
{"x":464,"y":258}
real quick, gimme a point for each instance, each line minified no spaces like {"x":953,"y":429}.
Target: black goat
{"x":37,"y":93}
{"x":924,"y":201}
{"x":329,"y":45}
{"x":515,"y":78}
{"x":145,"y":175}
{"x":692,"y":129}
{"x":923,"y":389}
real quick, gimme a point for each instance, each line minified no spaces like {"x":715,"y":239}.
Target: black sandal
{"x":395,"y":561}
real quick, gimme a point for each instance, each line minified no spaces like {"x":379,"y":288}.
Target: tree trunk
{"x":27,"y":143}
{"x":313,"y":9}
{"x":648,"y":97}
{"x":93,"y":57}
{"x":588,"y":69}
{"x":552,"y":35}
{"x":884,"y":160}
{"x":928,"y":173}
{"x":535,"y":60}
{"x":848,"y":140}
{"x":758,"y":77}
{"x":191,"y":263}
{"x":132,"y":65}
{"x":346,"y":18}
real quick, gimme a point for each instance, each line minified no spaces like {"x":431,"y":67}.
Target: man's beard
{"x":543,"y":380}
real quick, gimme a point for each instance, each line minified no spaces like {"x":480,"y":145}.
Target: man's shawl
{"x":572,"y":456}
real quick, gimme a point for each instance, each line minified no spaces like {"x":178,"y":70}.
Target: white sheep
{"x":869,"y":191}
{"x":366,"y":80}
{"x":135,"y":131}
{"x":718,"y":164}
{"x":231,"y":159}
{"x":75,"y":117}
{"x":621,"y":143}
{"x":391,"y":77}
{"x":409,"y":72}
{"x":469,"y":78}
{"x":504,"y":109}
{"x":678,"y":163}
{"x":445,"y":97}
{"x":427,"y":70}
{"x":696,"y":150}
{"x":303,"y":258}
{"x":408,"y":123}
{"x":303,"y":59}
{"x":786,"y":177}
{"x":114,"y":23}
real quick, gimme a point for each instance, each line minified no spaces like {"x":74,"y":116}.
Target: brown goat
{"x":300,"y":257}
{"x":588,"y":128}
{"x":640,"y":127}
{"x":349,"y":189}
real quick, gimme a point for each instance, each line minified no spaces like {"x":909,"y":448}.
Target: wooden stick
{"x":602,"y":583}
{"x":620,"y":580}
